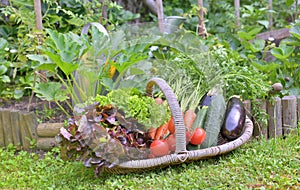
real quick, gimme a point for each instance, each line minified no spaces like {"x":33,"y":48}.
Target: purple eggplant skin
{"x":234,"y":121}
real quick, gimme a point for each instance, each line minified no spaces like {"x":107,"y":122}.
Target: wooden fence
{"x":281,"y":116}
{"x":278,"y":117}
{"x":22,"y":130}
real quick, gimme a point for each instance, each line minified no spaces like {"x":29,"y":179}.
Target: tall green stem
{"x":82,"y":94}
{"x":63,"y":109}
{"x":68,"y":88}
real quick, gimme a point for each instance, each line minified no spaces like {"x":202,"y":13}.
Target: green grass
{"x":273,"y":164}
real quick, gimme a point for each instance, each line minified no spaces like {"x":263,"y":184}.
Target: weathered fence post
{"x":275,"y":118}
{"x":2,"y":134}
{"x":247,"y":105}
{"x":15,"y":128}
{"x":289,"y":114}
{"x":8,"y":139}
{"x":298,"y":108}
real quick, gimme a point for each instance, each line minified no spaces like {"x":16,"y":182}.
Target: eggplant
{"x":234,"y":121}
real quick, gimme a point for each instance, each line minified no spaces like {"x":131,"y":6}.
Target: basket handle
{"x":175,"y":110}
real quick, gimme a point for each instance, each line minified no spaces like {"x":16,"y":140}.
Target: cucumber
{"x":200,"y":118}
{"x":198,"y":123}
{"x":190,"y":147}
{"x":213,"y":122}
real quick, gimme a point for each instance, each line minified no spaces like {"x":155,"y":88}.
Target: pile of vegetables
{"x":127,"y":125}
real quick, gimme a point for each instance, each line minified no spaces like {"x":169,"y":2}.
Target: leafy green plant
{"x":288,"y":61}
{"x":83,"y":64}
{"x":61,"y":51}
{"x":52,"y":91}
{"x":45,"y":114}
{"x":255,"y":15}
{"x":17,"y":27}
{"x":136,"y":105}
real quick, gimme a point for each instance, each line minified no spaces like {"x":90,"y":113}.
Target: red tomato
{"x":159,"y":148}
{"x":171,"y":140}
{"x":198,"y":136}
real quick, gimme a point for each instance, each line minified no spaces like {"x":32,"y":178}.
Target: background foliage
{"x":20,"y":38}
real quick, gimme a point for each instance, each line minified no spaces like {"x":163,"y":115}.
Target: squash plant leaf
{"x":289,"y":2}
{"x":51,"y":91}
{"x":3,"y":69}
{"x":293,"y":41}
{"x":45,"y":62}
{"x":249,"y":35}
{"x":64,"y":49}
{"x":265,"y":23}
{"x":3,"y":44}
{"x":295,"y":31}
{"x":66,"y":67}
{"x":257,"y":45}
{"x":266,"y":67}
{"x":283,"y":51}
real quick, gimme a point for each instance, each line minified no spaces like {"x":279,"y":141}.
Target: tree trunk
{"x":38,"y":14}
{"x":160,"y":15}
{"x":201,"y":26}
{"x":237,"y":12}
{"x":270,"y":14}
{"x":151,"y":6}
{"x":39,"y":27}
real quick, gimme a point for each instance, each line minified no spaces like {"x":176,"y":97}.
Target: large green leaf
{"x":249,"y":35}
{"x":293,"y":41}
{"x":265,"y":23}
{"x":5,"y":78}
{"x":45,"y":62}
{"x":66,"y":67}
{"x":283,"y":51}
{"x":289,"y":2}
{"x":51,"y":91}
{"x":3,"y":44}
{"x":65,"y":49}
{"x":257,"y":45}
{"x":3,"y":69}
{"x":268,"y":67}
{"x":295,"y":31}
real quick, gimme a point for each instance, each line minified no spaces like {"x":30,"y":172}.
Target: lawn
{"x":259,"y":164}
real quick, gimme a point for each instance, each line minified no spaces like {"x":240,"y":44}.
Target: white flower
{"x":13,"y":51}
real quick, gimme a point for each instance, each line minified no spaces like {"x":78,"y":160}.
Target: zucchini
{"x":198,"y":123}
{"x":190,"y":147}
{"x":200,"y":118}
{"x":214,"y":120}
{"x":234,"y":122}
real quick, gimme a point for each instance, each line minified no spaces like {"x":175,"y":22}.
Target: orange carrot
{"x":171,"y":125}
{"x":152,"y":132}
{"x":161,"y":131}
{"x":189,"y":118}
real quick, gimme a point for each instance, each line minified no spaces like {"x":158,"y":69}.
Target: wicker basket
{"x":181,"y":153}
